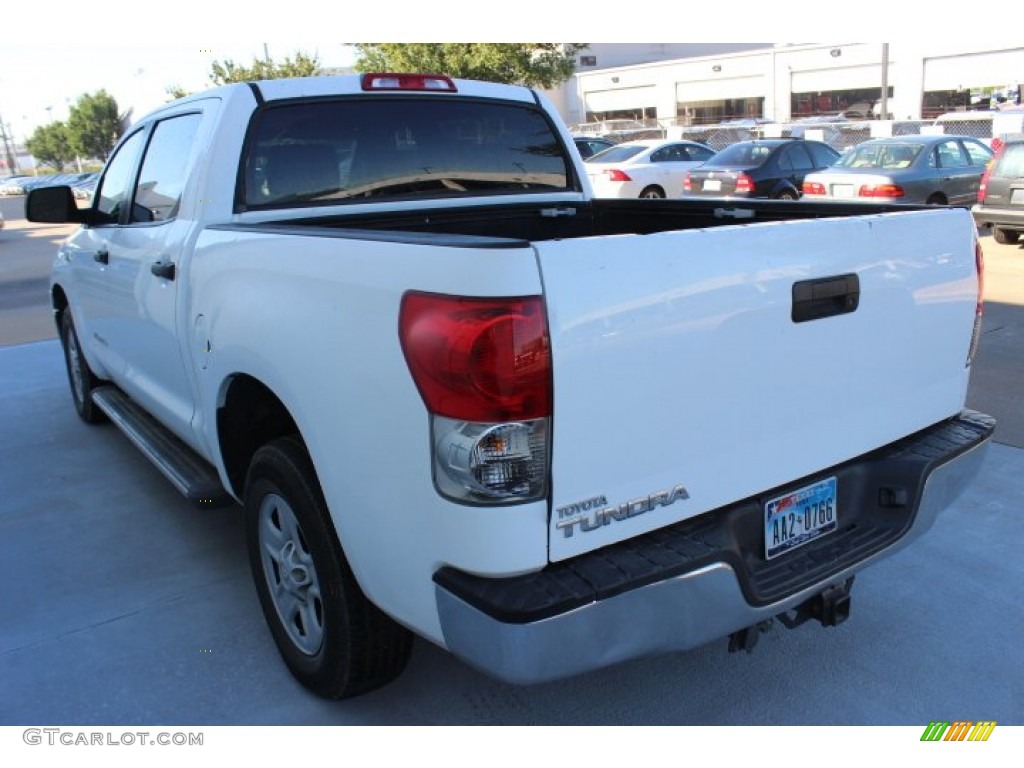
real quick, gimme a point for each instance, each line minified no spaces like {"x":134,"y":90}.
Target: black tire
{"x":332,"y":638}
{"x":80,"y":377}
{"x":787,"y":194}
{"x":652,"y":193}
{"x":1005,"y":236}
{"x":936,"y":199}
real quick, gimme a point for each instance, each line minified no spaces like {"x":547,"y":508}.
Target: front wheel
{"x":81,"y":378}
{"x":1005,"y":236}
{"x":333,"y":639}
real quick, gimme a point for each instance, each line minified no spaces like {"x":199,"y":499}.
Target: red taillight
{"x":813,"y":188}
{"x":744,"y":183}
{"x":393,"y":81}
{"x":482,"y":360}
{"x":687,"y":183}
{"x":614,"y":174}
{"x":983,"y":188}
{"x":881,"y":190}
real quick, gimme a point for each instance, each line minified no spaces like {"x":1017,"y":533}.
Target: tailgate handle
{"x":825,"y":297}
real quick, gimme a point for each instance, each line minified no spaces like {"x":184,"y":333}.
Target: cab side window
{"x":115,"y":189}
{"x":164,"y":169}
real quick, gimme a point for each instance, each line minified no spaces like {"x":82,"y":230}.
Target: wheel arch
{"x":249,"y":415}
{"x":785,"y":186}
{"x":653,"y":187}
{"x":59,"y":302}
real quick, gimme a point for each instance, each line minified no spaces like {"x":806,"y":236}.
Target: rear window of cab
{"x":369,"y":149}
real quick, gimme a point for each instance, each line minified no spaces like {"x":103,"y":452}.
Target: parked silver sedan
{"x":936,"y":170}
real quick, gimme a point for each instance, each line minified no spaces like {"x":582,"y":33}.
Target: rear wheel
{"x":787,"y":194}
{"x":652,"y":193}
{"x":333,"y":639}
{"x":1005,"y":236}
{"x":81,"y":378}
{"x":936,"y":199}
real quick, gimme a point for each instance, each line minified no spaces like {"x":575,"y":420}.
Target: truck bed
{"x":537,"y":223}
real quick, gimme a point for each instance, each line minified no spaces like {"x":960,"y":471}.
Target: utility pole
{"x":12,"y":161}
{"x":885,"y":81}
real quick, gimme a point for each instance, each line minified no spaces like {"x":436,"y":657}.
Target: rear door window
{"x":978,"y":152}
{"x":699,"y":154}
{"x":950,"y":155}
{"x":798,"y":157}
{"x":822,"y":155}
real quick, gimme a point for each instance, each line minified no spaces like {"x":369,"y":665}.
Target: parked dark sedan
{"x":760,"y":168}
{"x":1001,"y":196}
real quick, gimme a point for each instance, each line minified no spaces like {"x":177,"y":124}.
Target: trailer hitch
{"x":830,"y":607}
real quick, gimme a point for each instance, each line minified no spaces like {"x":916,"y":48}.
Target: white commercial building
{"x":693,"y":84}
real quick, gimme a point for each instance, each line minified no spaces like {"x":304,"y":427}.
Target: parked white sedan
{"x":647,"y":168}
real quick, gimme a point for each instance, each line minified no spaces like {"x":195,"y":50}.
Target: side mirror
{"x":53,"y":205}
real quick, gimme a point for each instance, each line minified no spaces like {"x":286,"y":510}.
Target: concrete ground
{"x":122,"y":604}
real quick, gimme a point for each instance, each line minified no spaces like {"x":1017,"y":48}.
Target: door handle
{"x":825,"y":297}
{"x":164,"y":269}
{"x":102,"y":256}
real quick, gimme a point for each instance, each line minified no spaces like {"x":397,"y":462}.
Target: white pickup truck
{"x":460,"y":397}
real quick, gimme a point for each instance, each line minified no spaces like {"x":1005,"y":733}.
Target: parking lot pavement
{"x":122,"y":604}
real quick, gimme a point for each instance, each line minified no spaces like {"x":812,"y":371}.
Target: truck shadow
{"x":997,"y":376}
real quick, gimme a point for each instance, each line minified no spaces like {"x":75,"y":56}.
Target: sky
{"x":46,"y":66}
{"x":136,"y":75}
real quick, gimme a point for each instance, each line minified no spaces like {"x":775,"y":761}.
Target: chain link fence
{"x":840,"y":134}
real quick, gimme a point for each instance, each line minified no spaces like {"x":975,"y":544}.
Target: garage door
{"x":839,"y":79}
{"x":620,"y":99}
{"x":954,"y":72}
{"x":724,"y":88}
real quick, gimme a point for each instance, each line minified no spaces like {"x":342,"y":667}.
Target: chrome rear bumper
{"x":687,"y":609}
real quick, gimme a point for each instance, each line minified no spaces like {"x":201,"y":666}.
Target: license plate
{"x":799,"y":517}
{"x":712,"y":185}
{"x":1017,"y":197}
{"x":842,"y":190}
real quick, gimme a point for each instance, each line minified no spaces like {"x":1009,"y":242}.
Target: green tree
{"x":176,"y":92}
{"x":94,"y":125}
{"x":49,"y":145}
{"x":542,"y":65}
{"x":301,"y":65}
{"x":227,"y":71}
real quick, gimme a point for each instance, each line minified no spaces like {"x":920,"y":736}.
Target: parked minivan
{"x":1001,"y":196}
